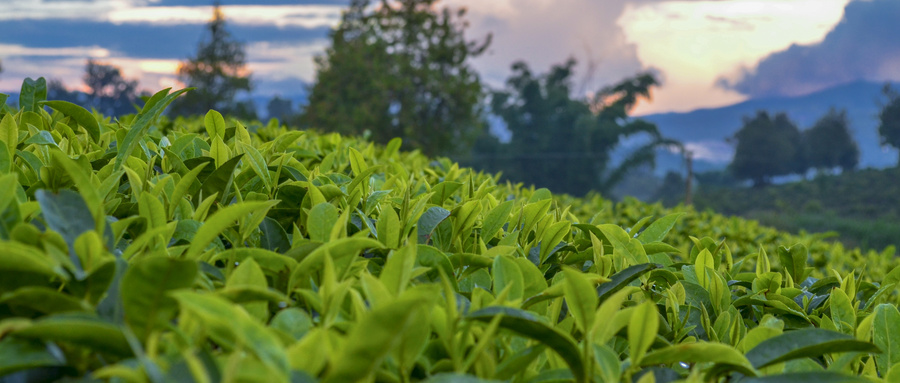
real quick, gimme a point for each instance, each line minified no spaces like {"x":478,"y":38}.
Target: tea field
{"x":143,"y":249}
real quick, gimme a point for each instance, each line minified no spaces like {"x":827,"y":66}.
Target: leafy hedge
{"x":148,"y":250}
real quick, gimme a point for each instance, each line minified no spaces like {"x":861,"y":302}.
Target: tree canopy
{"x":829,"y":144}
{"x":218,"y":72}
{"x":565,"y":143}
{"x":400,"y":69}
{"x":767,"y":147}
{"x":889,"y":127}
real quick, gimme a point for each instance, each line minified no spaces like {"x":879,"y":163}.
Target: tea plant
{"x":141,"y":249}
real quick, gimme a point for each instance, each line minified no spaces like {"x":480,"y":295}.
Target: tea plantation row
{"x":140,"y":249}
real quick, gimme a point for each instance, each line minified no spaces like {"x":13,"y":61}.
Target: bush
{"x":223,"y":251}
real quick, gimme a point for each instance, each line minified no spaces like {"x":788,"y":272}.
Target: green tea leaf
{"x":32,"y":93}
{"x":222,"y":317}
{"x":581,"y":298}
{"x":642,"y":330}
{"x":78,"y":329}
{"x":376,"y":334}
{"x":701,"y":352}
{"x":67,"y":214}
{"x":144,"y":290}
{"x":526,"y":324}
{"x":221,"y":220}
{"x":44,"y":300}
{"x":804,"y":343}
{"x":622,"y":279}
{"x":143,"y":121}
{"x":81,"y":115}
{"x":322,"y":219}
{"x":658,"y":230}
{"x":495,"y":219}
{"x":215,"y":124}
{"x":886,"y":335}
{"x":506,"y":274}
{"x":24,"y":354}
{"x":429,"y":220}
{"x":818,"y":377}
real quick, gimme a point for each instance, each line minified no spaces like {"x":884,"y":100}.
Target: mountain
{"x":705,"y":130}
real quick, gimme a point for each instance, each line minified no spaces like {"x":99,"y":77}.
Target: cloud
{"x":547,"y":32}
{"x":863,"y":46}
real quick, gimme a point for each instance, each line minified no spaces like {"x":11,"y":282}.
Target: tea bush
{"x":141,"y":249}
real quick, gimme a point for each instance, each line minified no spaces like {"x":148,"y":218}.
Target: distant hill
{"x":706,"y":129}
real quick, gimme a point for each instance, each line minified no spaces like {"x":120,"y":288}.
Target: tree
{"x":399,"y":70}
{"x":565,"y":144}
{"x":767,"y":147}
{"x":829,"y":143}
{"x":889,"y":128}
{"x":280,"y":108}
{"x":218,"y":72}
{"x":109,"y":91}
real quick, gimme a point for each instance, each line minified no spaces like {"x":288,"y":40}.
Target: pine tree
{"x":218,"y":72}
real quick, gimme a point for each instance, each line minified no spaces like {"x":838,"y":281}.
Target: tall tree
{"x":889,"y":128}
{"x":218,"y":72}
{"x":280,"y":108}
{"x":767,"y":147}
{"x":829,"y":143}
{"x":400,"y":69}
{"x":564,"y":143}
{"x":109,"y":91}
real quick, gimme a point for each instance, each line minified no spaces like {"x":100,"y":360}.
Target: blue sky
{"x":709,"y":53}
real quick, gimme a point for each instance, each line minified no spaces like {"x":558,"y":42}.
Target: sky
{"x":708,"y":53}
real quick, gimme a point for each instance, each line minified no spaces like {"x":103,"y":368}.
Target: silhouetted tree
{"x":829,"y":143}
{"x":399,"y":70}
{"x":218,"y":72}
{"x":767,"y":147}
{"x":109,"y":91}
{"x":564,"y":143}
{"x":280,"y":108}
{"x":889,"y":127}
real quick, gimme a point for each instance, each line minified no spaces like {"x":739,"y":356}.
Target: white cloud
{"x":697,"y":42}
{"x":137,"y":11}
{"x":547,"y":32}
{"x":275,"y":62}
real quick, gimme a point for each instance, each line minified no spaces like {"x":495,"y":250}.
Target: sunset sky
{"x":707,"y":53}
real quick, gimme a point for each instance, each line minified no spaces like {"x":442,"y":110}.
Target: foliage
{"x":551,"y":131}
{"x":767,"y":147}
{"x":220,"y":251}
{"x":218,"y":72}
{"x":399,"y":69}
{"x":863,"y":206}
{"x":889,"y":127}
{"x":280,"y":108}
{"x":828,"y":144}
{"x":109,"y":91}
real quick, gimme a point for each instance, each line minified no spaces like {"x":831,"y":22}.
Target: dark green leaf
{"x":622,"y":279}
{"x":273,"y":236}
{"x":67,"y":214}
{"x":81,"y":115}
{"x":817,"y":377}
{"x":429,"y":220}
{"x":21,"y":354}
{"x":144,"y":291}
{"x":804,"y":343}
{"x":78,"y":329}
{"x":528,"y":325}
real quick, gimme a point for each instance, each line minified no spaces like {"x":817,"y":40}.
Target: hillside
{"x":708,"y":128}
{"x":863,"y":206}
{"x":210,"y":249}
